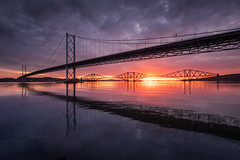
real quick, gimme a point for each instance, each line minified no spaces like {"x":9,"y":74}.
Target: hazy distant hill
{"x":45,"y":79}
{"x":227,"y":77}
{"x":7,"y":80}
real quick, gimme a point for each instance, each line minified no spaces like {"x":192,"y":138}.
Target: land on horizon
{"x":227,"y":77}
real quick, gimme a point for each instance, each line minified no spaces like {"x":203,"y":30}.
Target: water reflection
{"x":187,"y":87}
{"x":24,"y":90}
{"x":70,"y":107}
{"x":189,"y":120}
{"x":131,"y":86}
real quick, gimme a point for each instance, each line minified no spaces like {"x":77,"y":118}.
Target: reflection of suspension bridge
{"x":71,"y":107}
{"x":119,"y":51}
{"x":190,"y":74}
{"x":167,"y":117}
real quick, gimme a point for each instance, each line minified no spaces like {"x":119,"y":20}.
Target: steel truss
{"x":189,"y":74}
{"x":93,"y":77}
{"x":131,"y":76}
{"x":70,"y":57}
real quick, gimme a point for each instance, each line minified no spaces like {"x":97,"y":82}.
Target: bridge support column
{"x":218,"y":78}
{"x":70,"y":58}
{"x":24,"y":71}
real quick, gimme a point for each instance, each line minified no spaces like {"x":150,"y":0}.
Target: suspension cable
{"x":53,"y":53}
{"x":158,"y":38}
{"x":57,"y":57}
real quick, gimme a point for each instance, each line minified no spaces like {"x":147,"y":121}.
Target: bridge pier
{"x":24,"y":71}
{"x":70,"y":58}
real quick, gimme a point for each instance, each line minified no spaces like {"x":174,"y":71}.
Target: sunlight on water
{"x":151,"y":119}
{"x":209,"y":97}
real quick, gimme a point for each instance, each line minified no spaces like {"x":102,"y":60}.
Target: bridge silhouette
{"x":128,"y":76}
{"x":132,"y":76}
{"x":190,"y":74}
{"x":92,"y":77}
{"x":227,"y":40}
{"x":185,"y":75}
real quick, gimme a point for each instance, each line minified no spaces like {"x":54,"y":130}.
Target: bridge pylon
{"x":24,"y":71}
{"x":70,"y":58}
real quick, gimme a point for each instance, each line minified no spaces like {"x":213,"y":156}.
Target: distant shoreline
{"x":221,"y":78}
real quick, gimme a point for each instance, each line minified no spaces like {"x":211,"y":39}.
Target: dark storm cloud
{"x":31,"y":29}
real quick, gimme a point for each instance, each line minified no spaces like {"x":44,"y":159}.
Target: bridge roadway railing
{"x":213,"y":43}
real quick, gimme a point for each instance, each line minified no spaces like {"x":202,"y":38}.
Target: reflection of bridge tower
{"x":70,"y":58}
{"x":70,"y":107}
{"x":24,"y":90}
{"x":131,"y":76}
{"x":190,"y":74}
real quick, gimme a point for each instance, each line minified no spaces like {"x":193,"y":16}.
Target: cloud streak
{"x":31,"y":29}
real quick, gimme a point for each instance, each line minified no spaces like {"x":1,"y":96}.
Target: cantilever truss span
{"x":93,"y":77}
{"x":213,"y":43}
{"x":131,"y":76}
{"x":189,"y":74}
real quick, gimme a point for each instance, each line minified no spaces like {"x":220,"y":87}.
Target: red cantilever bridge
{"x":131,"y":76}
{"x":186,"y":75}
{"x":92,"y":77}
{"x":128,"y":76}
{"x":227,"y":40}
{"x":190,"y":74}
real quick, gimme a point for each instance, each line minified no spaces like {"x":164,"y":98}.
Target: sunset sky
{"x":30,"y":30}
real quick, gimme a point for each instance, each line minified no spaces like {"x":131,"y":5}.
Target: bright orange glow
{"x":9,"y":73}
{"x":154,"y":68}
{"x":158,"y":79}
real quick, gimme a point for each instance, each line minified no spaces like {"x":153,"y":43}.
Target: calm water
{"x":120,"y":120}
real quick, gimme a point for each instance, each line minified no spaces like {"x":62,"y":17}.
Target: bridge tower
{"x":70,"y":58}
{"x":24,"y":71}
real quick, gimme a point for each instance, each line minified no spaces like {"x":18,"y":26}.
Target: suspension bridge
{"x":120,"y":51}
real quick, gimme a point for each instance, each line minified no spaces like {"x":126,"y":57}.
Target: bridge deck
{"x":213,"y":43}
